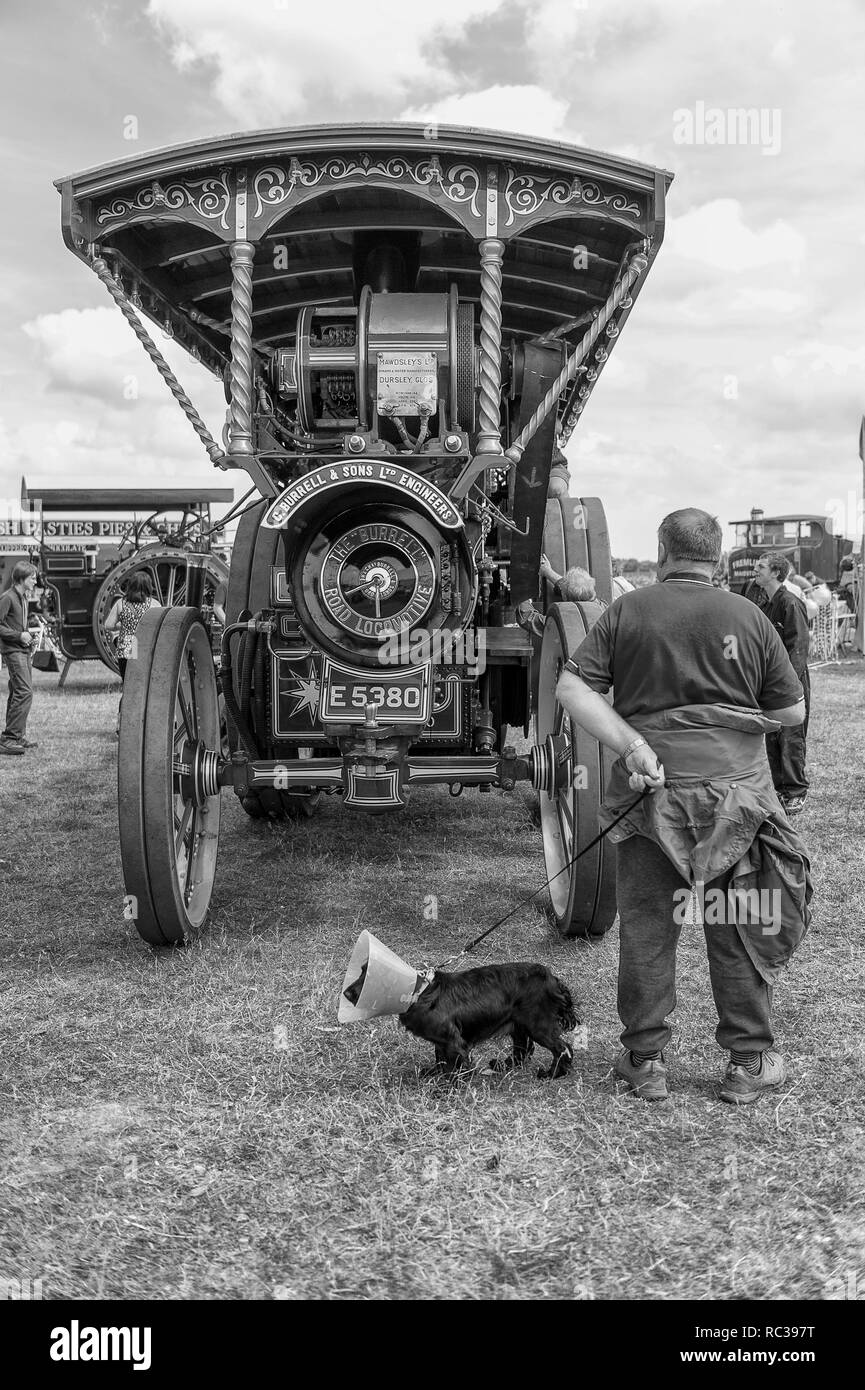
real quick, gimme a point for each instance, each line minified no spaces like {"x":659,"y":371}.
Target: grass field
{"x":195,"y":1124}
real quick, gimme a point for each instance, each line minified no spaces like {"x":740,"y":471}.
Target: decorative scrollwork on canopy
{"x":525,"y":194}
{"x":209,"y":198}
{"x":274,"y":185}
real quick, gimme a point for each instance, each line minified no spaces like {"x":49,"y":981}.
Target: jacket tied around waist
{"x":718,"y":811}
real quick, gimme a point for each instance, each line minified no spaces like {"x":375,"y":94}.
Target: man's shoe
{"x":739,"y":1087}
{"x":11,"y":745}
{"x":648,"y":1080}
{"x":793,"y":804}
{"x":25,"y":743}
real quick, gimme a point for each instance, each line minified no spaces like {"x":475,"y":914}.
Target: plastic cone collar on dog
{"x":386,"y":984}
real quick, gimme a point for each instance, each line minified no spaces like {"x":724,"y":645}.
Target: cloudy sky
{"x":740,"y":379}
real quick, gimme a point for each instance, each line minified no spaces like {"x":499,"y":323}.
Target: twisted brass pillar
{"x":240,"y":410}
{"x":489,"y":397}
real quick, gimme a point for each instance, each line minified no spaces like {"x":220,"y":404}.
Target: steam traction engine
{"x":90,"y":541}
{"x":408,"y":330}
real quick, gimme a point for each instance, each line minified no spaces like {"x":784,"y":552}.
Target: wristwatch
{"x":637,"y":743}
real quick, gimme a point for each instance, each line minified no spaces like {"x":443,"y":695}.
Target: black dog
{"x":456,"y":1012}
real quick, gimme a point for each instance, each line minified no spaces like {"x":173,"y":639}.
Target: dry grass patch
{"x":195,"y":1123}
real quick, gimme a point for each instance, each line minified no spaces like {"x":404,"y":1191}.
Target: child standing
{"x":15,"y":644}
{"x":125,"y":615}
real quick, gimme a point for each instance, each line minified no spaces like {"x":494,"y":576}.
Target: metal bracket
{"x":501,"y":518}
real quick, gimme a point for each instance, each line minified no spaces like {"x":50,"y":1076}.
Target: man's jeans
{"x":649,"y":934}
{"x":20,"y":693}
{"x":786,"y":752}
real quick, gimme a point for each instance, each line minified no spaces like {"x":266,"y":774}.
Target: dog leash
{"x":470,"y":945}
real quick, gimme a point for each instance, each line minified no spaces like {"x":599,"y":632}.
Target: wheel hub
{"x":551,"y":765}
{"x":379,"y":575}
{"x":196,"y":772}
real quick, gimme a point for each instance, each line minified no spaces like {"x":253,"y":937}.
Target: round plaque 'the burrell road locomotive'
{"x":378,"y":580}
{"x":363,"y":574}
{"x":407,"y":342}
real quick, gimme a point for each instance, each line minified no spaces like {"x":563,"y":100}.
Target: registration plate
{"x":402,"y":697}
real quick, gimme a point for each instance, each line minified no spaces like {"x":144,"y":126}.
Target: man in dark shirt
{"x":786,"y":748}
{"x":15,"y":644}
{"x":702,"y":673}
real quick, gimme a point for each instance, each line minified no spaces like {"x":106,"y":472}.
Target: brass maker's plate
{"x":406,"y":383}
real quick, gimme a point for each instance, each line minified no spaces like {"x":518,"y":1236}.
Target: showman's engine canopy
{"x":409,"y":322}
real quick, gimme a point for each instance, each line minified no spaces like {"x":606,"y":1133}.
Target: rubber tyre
{"x":138,"y":905}
{"x":582,"y":897}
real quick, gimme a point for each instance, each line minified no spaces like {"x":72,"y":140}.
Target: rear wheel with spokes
{"x":166,"y":569}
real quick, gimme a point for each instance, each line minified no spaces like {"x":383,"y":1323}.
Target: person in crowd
{"x":621,"y":585}
{"x":847,"y":582}
{"x":800,"y":588}
{"x":124,"y":617}
{"x":560,"y":476}
{"x":786,"y":747}
{"x":15,"y":644}
{"x":220,"y":597}
{"x":691,"y":667}
{"x":754,"y":593}
{"x":576,"y":585}
{"x":819,"y":591}
{"x":793,"y":584}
